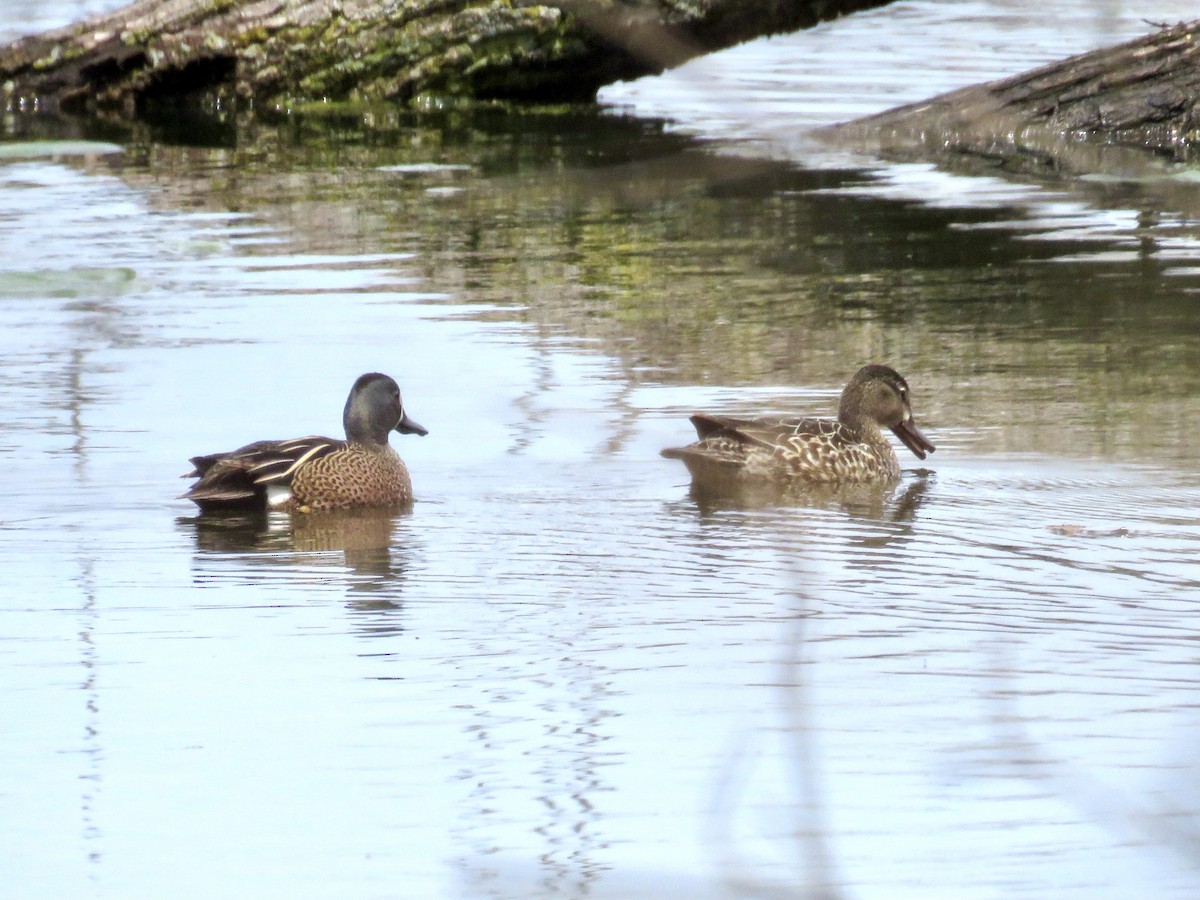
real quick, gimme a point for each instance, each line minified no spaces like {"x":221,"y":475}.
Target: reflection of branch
{"x":92,"y":777}
{"x":814,"y":832}
{"x":75,"y":402}
{"x":1100,"y":802}
{"x":816,"y":862}
{"x":532,"y":426}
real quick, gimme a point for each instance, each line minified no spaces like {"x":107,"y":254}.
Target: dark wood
{"x":1144,"y":94}
{"x":282,"y":53}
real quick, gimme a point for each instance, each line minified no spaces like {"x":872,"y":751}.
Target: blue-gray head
{"x":374,"y":409}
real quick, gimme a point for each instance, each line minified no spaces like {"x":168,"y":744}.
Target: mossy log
{"x":1141,"y":95}
{"x":277,"y":53}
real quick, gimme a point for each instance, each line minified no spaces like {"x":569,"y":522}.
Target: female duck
{"x":815,"y":451}
{"x":317,"y":472}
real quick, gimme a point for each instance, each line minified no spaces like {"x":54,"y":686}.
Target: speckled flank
{"x":356,"y":475}
{"x":813,"y":450}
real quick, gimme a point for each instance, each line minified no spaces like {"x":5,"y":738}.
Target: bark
{"x":1144,"y":94}
{"x":279,"y":53}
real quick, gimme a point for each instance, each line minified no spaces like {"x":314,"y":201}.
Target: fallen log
{"x":280,"y":53}
{"x":1138,"y":96}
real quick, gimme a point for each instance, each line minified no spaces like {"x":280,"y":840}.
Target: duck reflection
{"x":885,"y":502}
{"x":360,"y":540}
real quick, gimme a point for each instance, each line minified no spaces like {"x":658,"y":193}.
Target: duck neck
{"x":362,"y":427}
{"x":852,"y":417}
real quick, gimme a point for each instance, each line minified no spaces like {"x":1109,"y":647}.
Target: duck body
{"x":849,"y":449}
{"x":314,"y":472}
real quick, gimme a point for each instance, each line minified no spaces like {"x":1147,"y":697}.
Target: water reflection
{"x":558,"y":789}
{"x":884,"y":501}
{"x":370,"y":549}
{"x":765,"y":273}
{"x":91,"y":778}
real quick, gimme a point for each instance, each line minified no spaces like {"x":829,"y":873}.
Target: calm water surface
{"x":561,"y":675}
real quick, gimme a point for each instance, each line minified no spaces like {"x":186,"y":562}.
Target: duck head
{"x":879,"y":394}
{"x":374,"y":409}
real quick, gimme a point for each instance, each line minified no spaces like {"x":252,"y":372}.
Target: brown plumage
{"x":317,"y":472}
{"x":851,"y":448}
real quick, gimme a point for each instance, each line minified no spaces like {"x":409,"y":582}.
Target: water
{"x":560,"y":675}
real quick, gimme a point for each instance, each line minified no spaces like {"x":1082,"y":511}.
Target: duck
{"x":316,"y":473}
{"x":846,"y":450}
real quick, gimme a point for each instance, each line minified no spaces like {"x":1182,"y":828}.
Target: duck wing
{"x":767,"y":433}
{"x":240,"y":478}
{"x":724,"y":440}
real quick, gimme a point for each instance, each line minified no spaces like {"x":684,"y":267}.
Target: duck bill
{"x":913,"y":439}
{"x":408,"y":426}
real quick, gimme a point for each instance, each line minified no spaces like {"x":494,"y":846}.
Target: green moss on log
{"x":283,"y":52}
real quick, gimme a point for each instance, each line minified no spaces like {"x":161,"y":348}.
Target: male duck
{"x":814,"y":451}
{"x":317,"y":472}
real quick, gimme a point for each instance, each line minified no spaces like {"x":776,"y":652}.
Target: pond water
{"x":561,"y":675}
